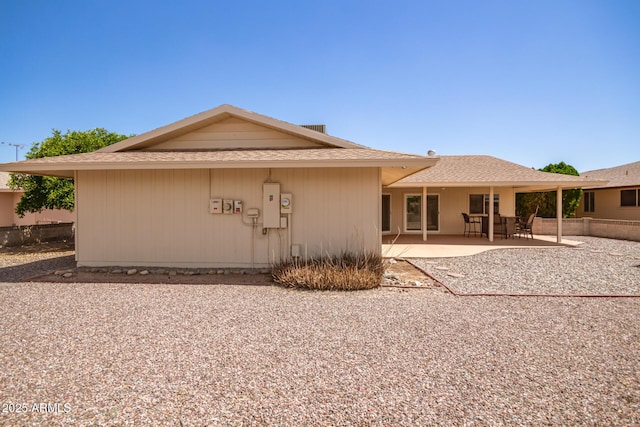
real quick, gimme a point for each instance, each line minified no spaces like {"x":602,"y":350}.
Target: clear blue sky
{"x":534,"y":82}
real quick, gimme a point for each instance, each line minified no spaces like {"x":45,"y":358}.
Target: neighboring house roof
{"x":620,"y":176}
{"x":482,"y":171}
{"x":151,"y":151}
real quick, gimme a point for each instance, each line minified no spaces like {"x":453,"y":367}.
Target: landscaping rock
{"x":456,"y":275}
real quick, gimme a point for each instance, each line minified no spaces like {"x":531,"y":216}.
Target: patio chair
{"x":470,"y":224}
{"x":525,"y":224}
{"x":526,"y":227}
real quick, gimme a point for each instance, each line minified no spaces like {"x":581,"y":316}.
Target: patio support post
{"x":491,"y":212}
{"x":424,"y":213}
{"x":559,"y":214}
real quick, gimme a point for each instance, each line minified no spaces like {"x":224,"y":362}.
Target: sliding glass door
{"x":433,"y":212}
{"x":413,"y":207}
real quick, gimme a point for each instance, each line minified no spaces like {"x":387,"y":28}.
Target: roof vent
{"x":431,"y":153}
{"x":317,"y":128}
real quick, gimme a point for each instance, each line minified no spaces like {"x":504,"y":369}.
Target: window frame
{"x":629,"y":203}
{"x":485,"y":204}
{"x":589,"y":201}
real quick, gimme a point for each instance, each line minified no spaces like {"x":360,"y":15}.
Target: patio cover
{"x":488,"y":171}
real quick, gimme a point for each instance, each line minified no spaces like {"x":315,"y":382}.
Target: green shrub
{"x":346,"y":272}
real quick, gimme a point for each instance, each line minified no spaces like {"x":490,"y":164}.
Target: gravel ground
{"x":597,"y":267}
{"x":22,"y":262}
{"x":190,"y":355}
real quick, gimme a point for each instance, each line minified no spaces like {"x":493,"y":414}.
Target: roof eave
{"x":523,"y":186}
{"x":66,"y":170}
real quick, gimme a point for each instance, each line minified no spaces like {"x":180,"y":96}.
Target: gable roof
{"x":218,"y":114}
{"x":619,"y":176}
{"x":138,"y":152}
{"x":483,"y":171}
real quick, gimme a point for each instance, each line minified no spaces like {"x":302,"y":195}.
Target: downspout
{"x":559,"y":214}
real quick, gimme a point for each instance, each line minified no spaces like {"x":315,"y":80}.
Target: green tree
{"x":545,"y":202}
{"x":45,"y":192}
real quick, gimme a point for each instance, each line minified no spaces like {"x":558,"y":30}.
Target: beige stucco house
{"x":233,"y":188}
{"x":9,"y":199}
{"x":618,"y":199}
{"x":457,"y":184}
{"x":226,"y":187}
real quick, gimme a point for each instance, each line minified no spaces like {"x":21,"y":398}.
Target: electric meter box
{"x":215,"y":206}
{"x":271,"y":205}
{"x":285,"y":203}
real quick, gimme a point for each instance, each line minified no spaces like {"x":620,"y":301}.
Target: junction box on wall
{"x":271,"y":205}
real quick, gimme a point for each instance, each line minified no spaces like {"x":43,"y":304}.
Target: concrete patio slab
{"x":446,"y":246}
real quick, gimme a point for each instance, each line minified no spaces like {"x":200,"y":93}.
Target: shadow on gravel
{"x":23,"y":272}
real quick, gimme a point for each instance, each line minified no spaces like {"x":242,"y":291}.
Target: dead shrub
{"x":346,"y":272}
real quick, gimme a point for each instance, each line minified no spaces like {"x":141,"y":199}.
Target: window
{"x":629,"y":197}
{"x":589,"y":201}
{"x":479,"y":203}
{"x":476,"y":205}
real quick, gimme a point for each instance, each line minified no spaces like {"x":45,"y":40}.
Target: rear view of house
{"x":226,"y":187}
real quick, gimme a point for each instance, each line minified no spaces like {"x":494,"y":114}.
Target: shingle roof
{"x":395,"y":165}
{"x":222,"y":156}
{"x":487,"y":170}
{"x":620,"y":176}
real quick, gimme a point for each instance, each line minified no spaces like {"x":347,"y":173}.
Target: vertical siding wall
{"x":161,"y":217}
